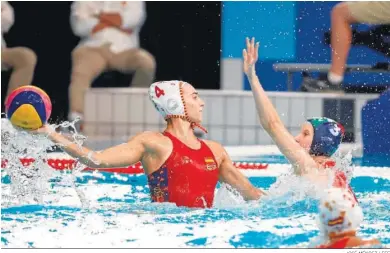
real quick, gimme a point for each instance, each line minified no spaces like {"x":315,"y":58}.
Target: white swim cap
{"x":339,"y":211}
{"x":167,"y":97}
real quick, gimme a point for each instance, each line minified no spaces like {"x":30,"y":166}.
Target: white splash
{"x":30,"y":183}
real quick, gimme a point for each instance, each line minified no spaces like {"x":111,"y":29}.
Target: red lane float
{"x":69,"y":164}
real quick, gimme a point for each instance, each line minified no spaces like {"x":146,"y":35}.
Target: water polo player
{"x":180,"y":167}
{"x":339,"y":219}
{"x":316,"y":143}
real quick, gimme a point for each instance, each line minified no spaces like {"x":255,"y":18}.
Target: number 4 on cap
{"x":159,"y":92}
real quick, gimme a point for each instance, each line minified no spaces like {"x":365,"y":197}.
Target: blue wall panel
{"x":289,"y":32}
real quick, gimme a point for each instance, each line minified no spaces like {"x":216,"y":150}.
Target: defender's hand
{"x":250,"y":55}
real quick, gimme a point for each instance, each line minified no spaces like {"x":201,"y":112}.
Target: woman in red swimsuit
{"x":339,"y":219}
{"x":180,"y":168}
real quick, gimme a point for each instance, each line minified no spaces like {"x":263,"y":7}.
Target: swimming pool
{"x":367,"y":161}
{"x":116,"y":212}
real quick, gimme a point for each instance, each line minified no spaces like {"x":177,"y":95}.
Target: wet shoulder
{"x":154,"y":140}
{"x":217,"y":149}
{"x":214,"y":146}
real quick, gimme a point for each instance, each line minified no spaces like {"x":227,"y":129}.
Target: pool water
{"x":115,"y":211}
{"x":380,"y":161}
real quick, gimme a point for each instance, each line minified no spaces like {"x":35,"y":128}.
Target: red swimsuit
{"x":340,"y":244}
{"x":340,"y":179}
{"x":187,"y":178}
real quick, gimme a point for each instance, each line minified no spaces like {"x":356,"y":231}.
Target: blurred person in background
{"x":343,"y":16}
{"x":109,"y":34}
{"x":21,"y":60}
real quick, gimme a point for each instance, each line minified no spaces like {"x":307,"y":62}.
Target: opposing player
{"x":316,"y":143}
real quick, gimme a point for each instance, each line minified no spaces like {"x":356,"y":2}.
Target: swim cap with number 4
{"x":167,"y":98}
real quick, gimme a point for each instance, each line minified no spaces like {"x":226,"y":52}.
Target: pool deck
{"x":251,"y":151}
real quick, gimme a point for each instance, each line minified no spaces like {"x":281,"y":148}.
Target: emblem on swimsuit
{"x":210,"y":164}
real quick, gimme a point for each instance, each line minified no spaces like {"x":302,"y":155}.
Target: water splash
{"x":344,"y":164}
{"x":29,"y":184}
{"x":226,"y":197}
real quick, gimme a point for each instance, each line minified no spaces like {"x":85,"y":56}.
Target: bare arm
{"x":129,"y":18}
{"x":231,"y":175}
{"x":121,"y":155}
{"x":134,"y":14}
{"x":270,"y":119}
{"x":82,"y":18}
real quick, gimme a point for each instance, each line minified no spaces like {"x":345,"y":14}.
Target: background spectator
{"x":21,"y":60}
{"x":109,"y":34}
{"x":343,"y":15}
